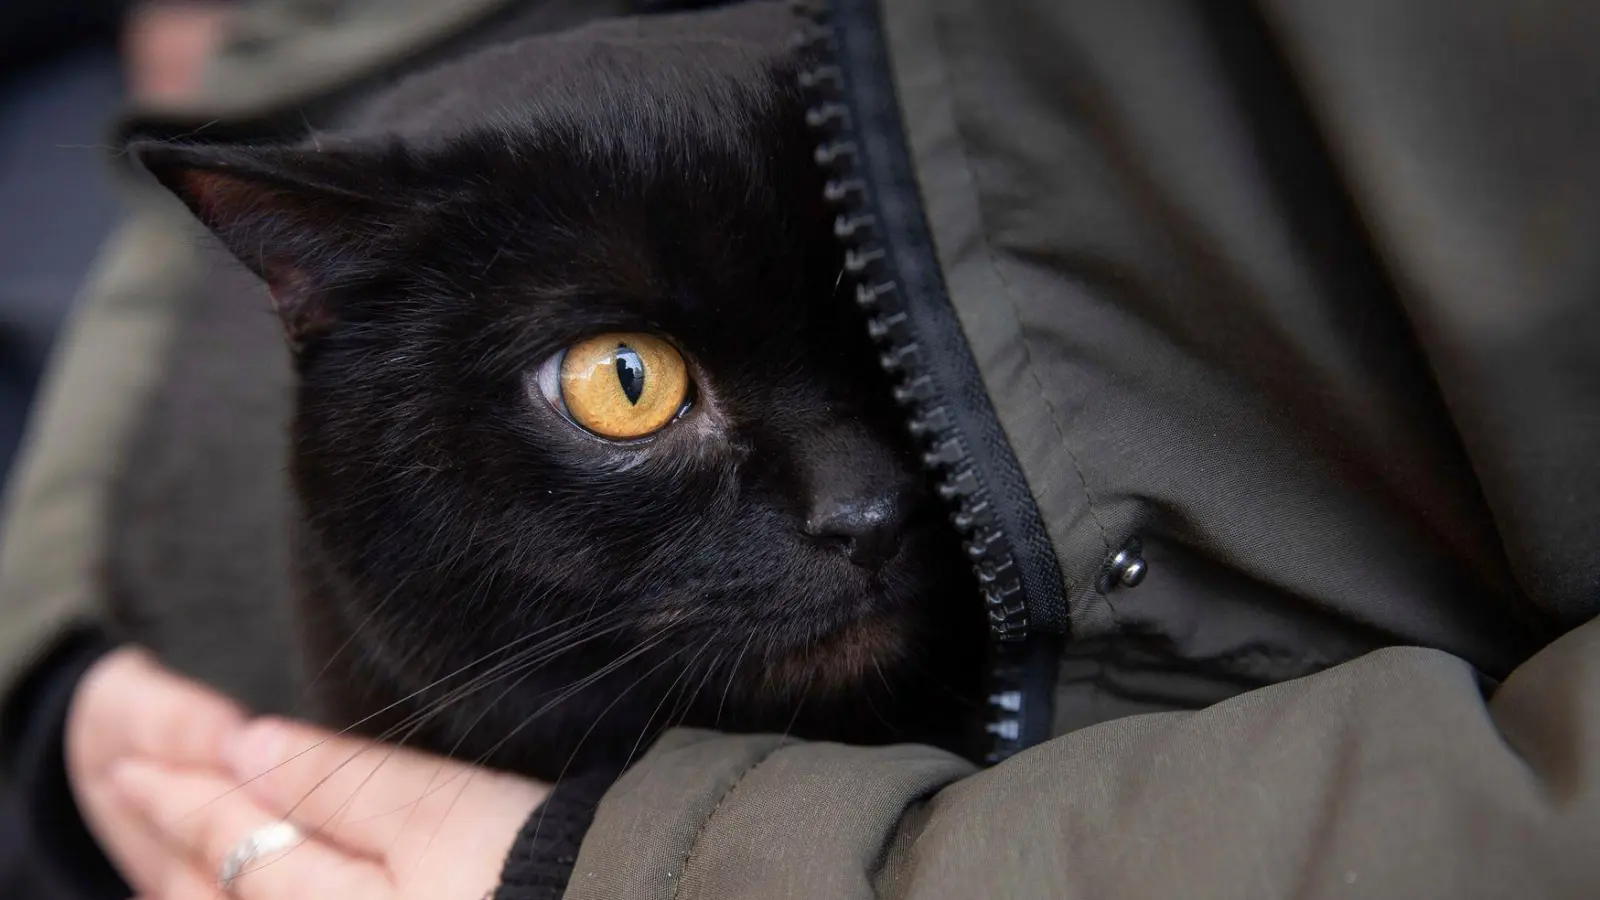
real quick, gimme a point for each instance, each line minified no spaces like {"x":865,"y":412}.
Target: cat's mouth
{"x":819,"y":659}
{"x":839,"y":659}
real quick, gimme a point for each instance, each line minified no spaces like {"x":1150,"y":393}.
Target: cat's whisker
{"x":664,"y":695}
{"x":428,"y":792}
{"x":525,"y":656}
{"x":355,"y":632}
{"x":412,"y":724}
{"x":733,"y":673}
{"x":527,"y":662}
{"x":570,"y":691}
{"x":525,"y":669}
{"x":881,"y":677}
{"x":867,"y":697}
{"x":572,"y":757}
{"x":415,"y":721}
{"x":574,"y":689}
{"x":804,"y":695}
{"x":679,"y":713}
{"x":564,"y":695}
{"x":671,"y":657}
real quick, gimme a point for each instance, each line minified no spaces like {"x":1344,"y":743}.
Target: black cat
{"x":587,"y":441}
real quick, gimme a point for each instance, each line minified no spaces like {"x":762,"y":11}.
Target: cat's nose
{"x":867,"y":528}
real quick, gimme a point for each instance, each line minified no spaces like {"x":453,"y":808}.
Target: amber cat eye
{"x":623,"y":386}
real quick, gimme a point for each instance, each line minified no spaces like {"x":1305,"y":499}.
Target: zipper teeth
{"x":870,"y":269}
{"x":873,"y":279}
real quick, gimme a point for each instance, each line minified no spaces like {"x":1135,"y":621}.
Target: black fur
{"x":480,"y":576}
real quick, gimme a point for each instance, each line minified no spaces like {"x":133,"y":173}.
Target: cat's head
{"x":584,"y":368}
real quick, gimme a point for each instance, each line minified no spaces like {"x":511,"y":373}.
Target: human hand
{"x":168,"y":43}
{"x":374,"y":822}
{"x":127,"y":707}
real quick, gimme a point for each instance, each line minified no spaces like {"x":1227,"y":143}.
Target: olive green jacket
{"x":1299,"y":295}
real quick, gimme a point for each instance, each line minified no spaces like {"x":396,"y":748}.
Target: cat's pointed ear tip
{"x":151,"y":156}
{"x":157,"y":156}
{"x":171,"y":164}
{"x":216,"y":184}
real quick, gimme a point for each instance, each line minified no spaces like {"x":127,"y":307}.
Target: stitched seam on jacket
{"x":694,"y":844}
{"x":982,"y":239}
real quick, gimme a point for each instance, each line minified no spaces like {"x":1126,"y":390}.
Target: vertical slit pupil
{"x":630,"y":373}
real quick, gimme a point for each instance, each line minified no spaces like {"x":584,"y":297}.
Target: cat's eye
{"x":622,"y":386}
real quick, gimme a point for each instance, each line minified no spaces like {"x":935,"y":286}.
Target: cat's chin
{"x":840,"y":660}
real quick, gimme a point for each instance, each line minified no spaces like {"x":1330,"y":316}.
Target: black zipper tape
{"x":895,"y":276}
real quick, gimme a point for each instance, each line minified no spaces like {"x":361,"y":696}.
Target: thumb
{"x":377,"y":800}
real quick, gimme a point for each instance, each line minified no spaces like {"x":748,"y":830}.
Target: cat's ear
{"x":302,"y":220}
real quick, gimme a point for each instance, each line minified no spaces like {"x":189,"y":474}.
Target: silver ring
{"x":264,"y":841}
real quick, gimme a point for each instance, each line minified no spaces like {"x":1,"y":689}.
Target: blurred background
{"x":66,"y":67}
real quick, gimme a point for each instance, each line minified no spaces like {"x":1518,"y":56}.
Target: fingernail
{"x":256,"y":748}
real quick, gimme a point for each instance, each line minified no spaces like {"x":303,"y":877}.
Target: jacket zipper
{"x":890,"y":263}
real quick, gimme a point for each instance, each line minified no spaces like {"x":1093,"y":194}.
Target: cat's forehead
{"x":633,"y":212}
{"x":629,"y":66}
{"x":723,"y":241}
{"x":712,"y":132}
{"x":686,"y":201}
{"x":659,"y":169}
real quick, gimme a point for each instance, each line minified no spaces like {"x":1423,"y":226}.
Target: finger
{"x":189,"y":883}
{"x":132,"y":845}
{"x":375,"y":799}
{"x":202,"y":820}
{"x":137,"y":707}
{"x":127,"y":706}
